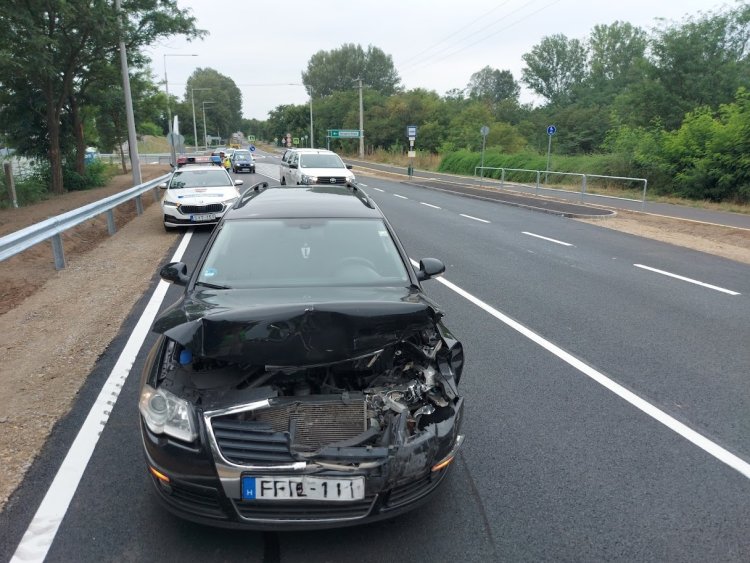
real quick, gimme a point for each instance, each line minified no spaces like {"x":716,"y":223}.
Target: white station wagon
{"x":197,"y":195}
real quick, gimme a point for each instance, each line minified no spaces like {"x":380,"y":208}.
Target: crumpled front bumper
{"x":204,"y":487}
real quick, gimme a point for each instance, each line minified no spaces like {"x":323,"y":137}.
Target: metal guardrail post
{"x":583,"y":186}
{"x":536,"y":190}
{"x":138,"y":205}
{"x":155,"y":191}
{"x":643,"y":201}
{"x":502,"y":178}
{"x":57,"y":251}
{"x":111,"y":228}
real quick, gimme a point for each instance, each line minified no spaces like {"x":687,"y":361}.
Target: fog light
{"x":159,"y":475}
{"x":447,"y":460}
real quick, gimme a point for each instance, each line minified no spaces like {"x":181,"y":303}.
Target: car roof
{"x":279,"y":202}
{"x":194,"y":167}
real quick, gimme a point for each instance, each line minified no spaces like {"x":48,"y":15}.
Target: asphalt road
{"x":633,"y":203}
{"x":559,"y":463}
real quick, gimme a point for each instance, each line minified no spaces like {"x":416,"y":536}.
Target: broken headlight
{"x":165,"y":413}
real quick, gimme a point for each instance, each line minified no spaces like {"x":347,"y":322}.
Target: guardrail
{"x":52,"y":228}
{"x":584,"y":180}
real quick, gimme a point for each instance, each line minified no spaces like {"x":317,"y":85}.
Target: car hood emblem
{"x":333,"y":180}
{"x":305,"y":251}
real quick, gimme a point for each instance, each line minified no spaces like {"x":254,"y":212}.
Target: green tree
{"x":336,"y":70}
{"x":555,"y":67}
{"x":616,"y":53}
{"x":225,"y":114}
{"x":493,"y":85}
{"x":54,"y":47}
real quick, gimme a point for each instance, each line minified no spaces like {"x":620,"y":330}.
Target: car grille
{"x":247,"y":442}
{"x":316,"y":421}
{"x":210,"y":208}
{"x":331,"y":180}
{"x":304,"y":511}
{"x":410,"y":492}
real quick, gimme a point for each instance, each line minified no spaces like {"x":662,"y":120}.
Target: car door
{"x":284,"y":166}
{"x":293,"y":178}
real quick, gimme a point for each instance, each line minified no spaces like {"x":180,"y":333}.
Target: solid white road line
{"x":644,"y":406}
{"x":430,"y":205}
{"x":689,"y":280}
{"x":401,"y":196}
{"x":547,"y":238}
{"x":41,"y":532}
{"x":475,"y":218}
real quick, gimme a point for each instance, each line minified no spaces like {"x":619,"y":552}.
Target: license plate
{"x":205,"y":217}
{"x":303,"y":487}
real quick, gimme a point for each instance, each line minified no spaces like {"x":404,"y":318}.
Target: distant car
{"x":242,"y":161}
{"x":197,"y":195}
{"x":303,"y":379}
{"x":314,"y":166}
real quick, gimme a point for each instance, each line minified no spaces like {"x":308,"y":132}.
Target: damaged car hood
{"x":295,"y":326}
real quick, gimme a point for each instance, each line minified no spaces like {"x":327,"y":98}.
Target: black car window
{"x":303,"y":252}
{"x":320,"y":161}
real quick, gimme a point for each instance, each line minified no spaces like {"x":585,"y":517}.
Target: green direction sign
{"x":251,"y":138}
{"x":343,"y":133}
{"x":296,"y":140}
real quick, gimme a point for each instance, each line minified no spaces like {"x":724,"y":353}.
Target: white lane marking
{"x":547,"y":238}
{"x":430,"y":205}
{"x":689,"y":280}
{"x":401,"y":196}
{"x":41,"y":532}
{"x":378,"y":189}
{"x":644,"y":406}
{"x":475,"y":218}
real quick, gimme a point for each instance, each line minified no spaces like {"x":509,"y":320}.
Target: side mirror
{"x":163,"y":185}
{"x":349,"y":166}
{"x":239,"y":182}
{"x":429,"y":268}
{"x":175,"y":272}
{"x":293,"y":166}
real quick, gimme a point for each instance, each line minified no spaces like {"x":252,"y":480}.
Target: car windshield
{"x":200,"y":179}
{"x":320,"y":161}
{"x":245,"y":154}
{"x":257,"y":253}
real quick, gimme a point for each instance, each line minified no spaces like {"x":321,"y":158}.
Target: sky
{"x":436,"y":45}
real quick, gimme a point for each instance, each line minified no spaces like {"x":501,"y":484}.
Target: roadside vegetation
{"x":670,"y":104}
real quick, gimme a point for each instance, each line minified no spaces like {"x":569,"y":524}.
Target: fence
{"x":584,"y":179}
{"x":52,"y":228}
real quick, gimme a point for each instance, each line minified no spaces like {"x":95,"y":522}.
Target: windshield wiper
{"x":212,"y":285}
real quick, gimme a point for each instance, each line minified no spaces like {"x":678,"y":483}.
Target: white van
{"x":314,"y":166}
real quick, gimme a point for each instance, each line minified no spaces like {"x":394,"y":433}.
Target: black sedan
{"x":305,"y":381}
{"x":242,"y":161}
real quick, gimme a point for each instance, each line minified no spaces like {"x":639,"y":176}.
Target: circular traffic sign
{"x":252,"y":148}
{"x":551,"y":130}
{"x":484,"y":130}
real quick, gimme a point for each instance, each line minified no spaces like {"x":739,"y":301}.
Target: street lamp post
{"x":311,"y":118}
{"x":205,"y":135}
{"x":169,"y":109}
{"x":135,"y":164}
{"x":195,"y":128}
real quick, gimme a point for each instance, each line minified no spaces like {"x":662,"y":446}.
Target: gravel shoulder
{"x":51,"y":341}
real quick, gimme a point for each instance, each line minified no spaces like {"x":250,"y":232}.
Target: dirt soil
{"x":52,"y":337}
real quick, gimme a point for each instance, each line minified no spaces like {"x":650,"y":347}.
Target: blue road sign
{"x":411,"y":130}
{"x":551,"y":130}
{"x":252,"y":148}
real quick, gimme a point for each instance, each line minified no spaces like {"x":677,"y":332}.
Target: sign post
{"x":551,"y":130}
{"x":411,"y":133}
{"x":484,"y":132}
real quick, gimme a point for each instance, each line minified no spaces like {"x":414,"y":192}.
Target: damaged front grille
{"x":247,"y":442}
{"x":317,"y":421}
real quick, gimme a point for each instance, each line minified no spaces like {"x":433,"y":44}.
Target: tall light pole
{"x":135,"y":164}
{"x":205,"y":135}
{"x":361,"y":124}
{"x":195,"y":128}
{"x":169,"y":109}
{"x":311,"y":118}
